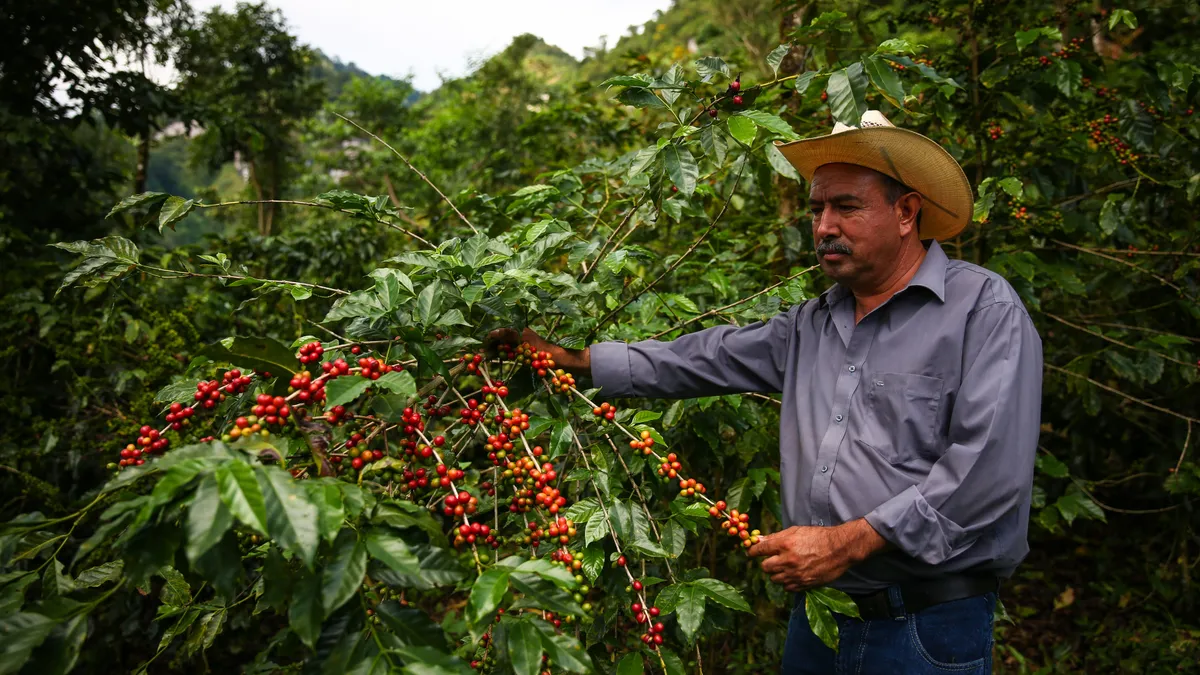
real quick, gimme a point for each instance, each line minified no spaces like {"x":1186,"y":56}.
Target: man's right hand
{"x":575,"y":361}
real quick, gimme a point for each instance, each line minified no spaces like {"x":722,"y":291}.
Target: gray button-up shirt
{"x":923,"y":417}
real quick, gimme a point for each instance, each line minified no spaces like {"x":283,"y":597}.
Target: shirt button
{"x":838,"y":418}
{"x":851,"y":369}
{"x":821,"y":522}
{"x":824,"y":469}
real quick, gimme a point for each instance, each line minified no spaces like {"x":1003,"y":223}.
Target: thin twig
{"x":237,"y":277}
{"x":1102,"y":336}
{"x":1098,"y":191}
{"x":318,"y":205}
{"x":1183,"y":453}
{"x":678,"y":261}
{"x":1143,"y":270}
{"x":413,"y":168}
{"x":1122,"y":394}
{"x":732,"y":304}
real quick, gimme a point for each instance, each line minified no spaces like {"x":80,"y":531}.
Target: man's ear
{"x":907,"y":208}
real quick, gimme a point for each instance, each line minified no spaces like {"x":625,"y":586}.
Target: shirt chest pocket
{"x":901,"y":415}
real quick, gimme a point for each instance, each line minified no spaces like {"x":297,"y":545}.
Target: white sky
{"x":441,"y":37}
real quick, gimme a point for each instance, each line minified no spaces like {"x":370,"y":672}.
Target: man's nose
{"x":826,"y":227}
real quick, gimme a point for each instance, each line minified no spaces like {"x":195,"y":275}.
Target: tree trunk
{"x":258,"y":194}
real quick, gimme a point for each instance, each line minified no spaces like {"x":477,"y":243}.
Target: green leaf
{"x":54,"y":583}
{"x":22,"y":632}
{"x":898,"y":46}
{"x":776,"y":57}
{"x":565,"y":652}
{"x":341,"y":578}
{"x":885,"y":80}
{"x":291,"y":518}
{"x":690,"y":610}
{"x":640,"y":97}
{"x":100,"y":574}
{"x":821,"y":620}
{"x":848,"y":95}
{"x":708,"y":66}
{"x":1051,"y":466}
{"x":542,"y":594}
{"x":398,"y":382}
{"x":1124,"y":16}
{"x":804,"y":80}
{"x":175,"y":591}
{"x":241,"y":494}
{"x":173,"y":211}
{"x":411,"y":626}
{"x":300,"y":292}
{"x":636,"y":80}
{"x":486,"y":594}
{"x":453,"y":317}
{"x":345,"y":389}
{"x":262,"y":354}
{"x":723,"y":594}
{"x":1025,"y":38}
{"x":392,"y":551}
{"x":632,"y":664}
{"x":139,"y":200}
{"x":738,"y":496}
{"x":593,"y":562}
{"x":681,"y":167}
{"x":674,"y":538}
{"x":1110,"y":215}
{"x":779,"y":163}
{"x":525,"y":648}
{"x":429,"y":301}
{"x":646,"y":416}
{"x":305,"y":614}
{"x":742,"y":129}
{"x":766,"y":120}
{"x":714,"y":143}
{"x":1068,"y":76}
{"x":643,"y":159}
{"x":834,"y":599}
{"x":208,"y":518}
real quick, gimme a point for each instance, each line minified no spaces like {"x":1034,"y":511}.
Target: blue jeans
{"x":953,"y":637}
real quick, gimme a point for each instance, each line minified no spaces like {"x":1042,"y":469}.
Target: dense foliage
{"x":251,"y":435}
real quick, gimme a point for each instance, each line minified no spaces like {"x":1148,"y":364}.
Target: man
{"x":911,"y":401}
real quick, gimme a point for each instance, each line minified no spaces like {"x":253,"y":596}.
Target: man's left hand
{"x":799,"y":558}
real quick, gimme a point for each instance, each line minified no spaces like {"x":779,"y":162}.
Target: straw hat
{"x":905,"y":155}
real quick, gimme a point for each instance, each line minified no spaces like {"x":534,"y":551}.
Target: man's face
{"x":857,"y":232}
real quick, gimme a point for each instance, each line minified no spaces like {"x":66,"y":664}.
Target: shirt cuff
{"x":610,"y":368}
{"x":915,"y":527}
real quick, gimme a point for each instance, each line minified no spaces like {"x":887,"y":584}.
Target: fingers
{"x":767,"y":546}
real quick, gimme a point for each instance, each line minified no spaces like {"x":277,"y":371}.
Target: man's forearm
{"x":858,"y":540}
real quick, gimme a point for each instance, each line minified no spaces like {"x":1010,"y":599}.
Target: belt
{"x":915,"y":596}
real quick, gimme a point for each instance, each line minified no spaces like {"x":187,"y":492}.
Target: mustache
{"x":832,"y":246}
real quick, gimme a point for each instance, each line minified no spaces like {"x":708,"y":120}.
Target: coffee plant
{"x":392,"y":488}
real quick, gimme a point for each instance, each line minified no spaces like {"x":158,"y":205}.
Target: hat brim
{"x":906,"y":156}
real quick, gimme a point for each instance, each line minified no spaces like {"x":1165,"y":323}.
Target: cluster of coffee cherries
{"x":605,"y":410}
{"x":738,"y":525}
{"x":494,"y":391}
{"x":562,"y":382}
{"x":499,"y":445}
{"x":995,"y":131}
{"x":572,"y":561}
{"x":1098,"y":132}
{"x":473,"y":413}
{"x":644,"y":444}
{"x":670,"y":466}
{"x":177,"y":415}
{"x":272,"y":409}
{"x":472,"y":361}
{"x":234,"y":382}
{"x":735,"y":88}
{"x":373,"y":368}
{"x":308,"y":389}
{"x":470,"y":533}
{"x":447,"y":475}
{"x":513,"y":421}
{"x":310,"y":352}
{"x":559,"y":530}
{"x":690,"y":487}
{"x":654,"y":629}
{"x":542,"y":363}
{"x":336,"y":415}
{"x":359,"y":458}
{"x":149,"y":442}
{"x":245,"y":427}
{"x":336,"y":367}
{"x":459,"y":504}
{"x":208,"y":394}
{"x":433,"y":409}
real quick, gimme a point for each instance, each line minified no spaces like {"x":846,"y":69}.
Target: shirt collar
{"x":930,"y":275}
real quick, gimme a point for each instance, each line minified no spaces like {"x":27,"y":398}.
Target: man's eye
{"x":846,"y":208}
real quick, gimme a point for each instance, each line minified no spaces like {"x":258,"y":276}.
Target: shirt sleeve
{"x":717,"y":360}
{"x":986,"y":472}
